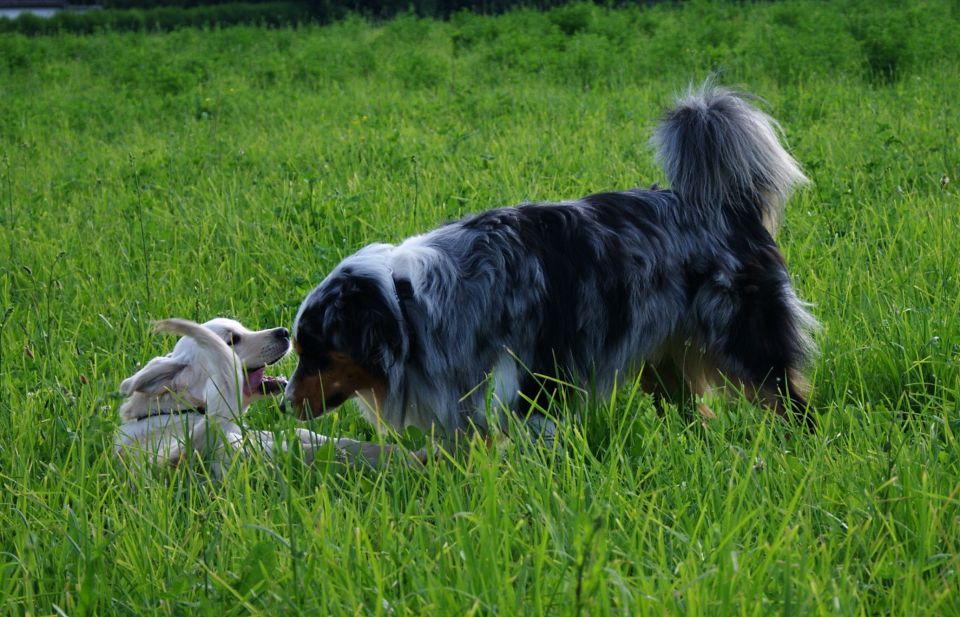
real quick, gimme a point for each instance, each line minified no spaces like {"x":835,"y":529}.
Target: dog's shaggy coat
{"x":510,"y":303}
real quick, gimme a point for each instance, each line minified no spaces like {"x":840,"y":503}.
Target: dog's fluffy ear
{"x":374,"y":321}
{"x":153,"y":378}
{"x":381,"y":340}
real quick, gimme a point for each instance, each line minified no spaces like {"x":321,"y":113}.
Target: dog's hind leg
{"x":783,"y":390}
{"x":788,"y":395}
{"x":757,"y":333}
{"x":661,"y":380}
{"x":765,"y":356}
{"x":697,"y":374}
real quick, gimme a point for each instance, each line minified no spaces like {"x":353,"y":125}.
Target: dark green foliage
{"x":887,"y":41}
{"x":164,"y":18}
{"x":882,"y":39}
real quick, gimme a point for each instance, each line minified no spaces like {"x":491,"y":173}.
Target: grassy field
{"x":203,"y":173}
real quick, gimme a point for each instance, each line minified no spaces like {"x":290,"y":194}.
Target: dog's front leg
{"x":267,"y":443}
{"x":310,"y":442}
{"x":377,"y":455}
{"x":543,"y":429}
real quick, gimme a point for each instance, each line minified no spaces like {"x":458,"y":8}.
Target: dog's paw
{"x":273,"y":386}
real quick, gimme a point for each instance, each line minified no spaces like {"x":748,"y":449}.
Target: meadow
{"x":212,"y":172}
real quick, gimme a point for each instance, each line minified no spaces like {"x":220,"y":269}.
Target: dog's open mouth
{"x":265,"y":385}
{"x":258,"y":383}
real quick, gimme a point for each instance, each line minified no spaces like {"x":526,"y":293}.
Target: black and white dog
{"x":515,"y":302}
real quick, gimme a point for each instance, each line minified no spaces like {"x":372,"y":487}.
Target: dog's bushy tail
{"x":723,"y":156}
{"x":222,"y":393}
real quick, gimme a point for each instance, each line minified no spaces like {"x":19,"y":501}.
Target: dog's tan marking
{"x":698,"y":376}
{"x":313,"y":394}
{"x":683,"y":373}
{"x":686,"y":373}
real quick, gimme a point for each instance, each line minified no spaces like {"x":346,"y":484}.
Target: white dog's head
{"x":177,"y":381}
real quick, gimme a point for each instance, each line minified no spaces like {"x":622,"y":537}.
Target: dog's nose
{"x":281,"y":333}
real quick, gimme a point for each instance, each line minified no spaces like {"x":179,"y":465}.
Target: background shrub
{"x":165,"y":17}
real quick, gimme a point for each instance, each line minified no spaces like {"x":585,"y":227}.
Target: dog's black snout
{"x":281,"y":333}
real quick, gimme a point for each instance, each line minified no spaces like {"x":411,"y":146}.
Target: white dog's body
{"x":191,"y":400}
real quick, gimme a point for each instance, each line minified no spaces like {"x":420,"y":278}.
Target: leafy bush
{"x":886,"y":43}
{"x":572,"y":18}
{"x":320,"y":61}
{"x":419,"y":69}
{"x":794,"y":40}
{"x":165,"y":18}
{"x":15,"y":53}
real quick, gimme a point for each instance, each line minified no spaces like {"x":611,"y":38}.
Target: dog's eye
{"x":233,"y":339}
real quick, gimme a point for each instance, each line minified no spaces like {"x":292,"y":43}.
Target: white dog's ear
{"x":153,"y":378}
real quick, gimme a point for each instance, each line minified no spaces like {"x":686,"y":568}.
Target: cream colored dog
{"x":192,"y":399}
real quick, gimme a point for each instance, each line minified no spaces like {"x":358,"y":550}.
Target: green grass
{"x":224,"y":172}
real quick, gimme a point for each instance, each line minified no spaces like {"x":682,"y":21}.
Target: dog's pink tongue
{"x":254,"y":379}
